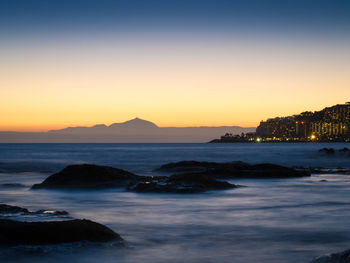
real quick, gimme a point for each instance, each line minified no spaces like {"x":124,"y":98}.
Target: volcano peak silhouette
{"x":136,"y":123}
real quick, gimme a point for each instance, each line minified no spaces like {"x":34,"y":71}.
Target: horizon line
{"x":109,"y":125}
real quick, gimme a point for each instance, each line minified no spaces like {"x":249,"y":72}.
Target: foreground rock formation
{"x":13,"y":232}
{"x":233,"y":170}
{"x":188,"y":177}
{"x":88,"y":176}
{"x":181,"y":183}
{"x":53,"y":232}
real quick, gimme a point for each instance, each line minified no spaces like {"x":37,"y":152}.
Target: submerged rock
{"x":234,"y":169}
{"x":54,"y":232}
{"x":321,"y":170}
{"x":331,"y":151}
{"x":344,"y":150}
{"x":342,"y":257}
{"x":328,"y":151}
{"x":88,"y":176}
{"x":200,"y":181}
{"x":181,"y":183}
{"x":10,"y":209}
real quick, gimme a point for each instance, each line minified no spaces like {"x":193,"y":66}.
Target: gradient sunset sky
{"x":173,"y":62}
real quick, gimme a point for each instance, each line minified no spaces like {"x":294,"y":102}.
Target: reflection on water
{"x":273,"y":220}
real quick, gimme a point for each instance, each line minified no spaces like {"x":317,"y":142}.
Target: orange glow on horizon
{"x":45,"y":128}
{"x":211,"y":84}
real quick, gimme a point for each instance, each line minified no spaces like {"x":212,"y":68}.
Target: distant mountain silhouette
{"x":134,"y":126}
{"x":135,"y":130}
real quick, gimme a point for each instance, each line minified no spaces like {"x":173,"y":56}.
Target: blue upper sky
{"x":68,"y":16}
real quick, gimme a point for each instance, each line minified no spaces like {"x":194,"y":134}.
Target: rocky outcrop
{"x":42,"y":230}
{"x":328,"y":151}
{"x":181,"y":183}
{"x":321,"y":170}
{"x":10,"y":210}
{"x":233,"y":170}
{"x":344,"y":150}
{"x":53,"y":232}
{"x":88,"y":176}
{"x":188,"y":176}
{"x":331,"y":151}
{"x":342,"y":257}
{"x":93,"y":176}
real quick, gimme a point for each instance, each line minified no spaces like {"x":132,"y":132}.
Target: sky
{"x":173,"y":62}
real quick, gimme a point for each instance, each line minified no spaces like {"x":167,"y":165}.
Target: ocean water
{"x":269,"y":220}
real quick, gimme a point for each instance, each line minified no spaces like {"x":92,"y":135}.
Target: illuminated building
{"x":329,"y":124}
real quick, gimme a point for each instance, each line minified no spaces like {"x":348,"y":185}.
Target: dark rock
{"x":202,"y":181}
{"x":186,"y":166}
{"x":181,"y":183}
{"x":9,"y":209}
{"x":342,"y":257}
{"x":88,"y":176}
{"x":234,"y":170}
{"x":323,"y":181}
{"x":328,"y":151}
{"x":54,"y":232}
{"x":346,"y":150}
{"x":216,"y":141}
{"x":93,"y":176}
{"x":49,"y":232}
{"x":273,"y":171}
{"x":321,"y":170}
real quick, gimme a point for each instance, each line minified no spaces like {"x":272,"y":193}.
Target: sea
{"x":267,"y":220}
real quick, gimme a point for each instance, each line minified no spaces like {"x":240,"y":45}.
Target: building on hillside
{"x":329,"y":124}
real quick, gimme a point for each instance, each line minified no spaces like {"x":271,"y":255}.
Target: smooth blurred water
{"x":143,"y":158}
{"x":270,"y":220}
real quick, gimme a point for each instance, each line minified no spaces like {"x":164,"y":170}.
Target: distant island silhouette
{"x":132,"y":131}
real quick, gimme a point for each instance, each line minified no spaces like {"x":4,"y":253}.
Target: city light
{"x":330,"y":124}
